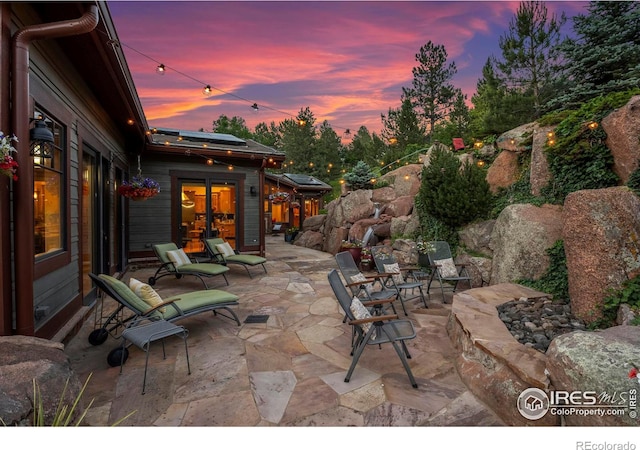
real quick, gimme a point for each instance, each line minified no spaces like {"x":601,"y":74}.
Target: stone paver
{"x":288,"y":371}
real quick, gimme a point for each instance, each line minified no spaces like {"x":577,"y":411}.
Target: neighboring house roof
{"x":212,"y":144}
{"x":300,"y":182}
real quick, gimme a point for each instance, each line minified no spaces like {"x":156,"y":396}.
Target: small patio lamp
{"x":40,"y":142}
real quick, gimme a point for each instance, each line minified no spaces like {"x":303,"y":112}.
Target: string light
{"x":208,"y":89}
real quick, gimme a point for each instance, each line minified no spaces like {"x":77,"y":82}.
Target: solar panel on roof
{"x":304,"y":179}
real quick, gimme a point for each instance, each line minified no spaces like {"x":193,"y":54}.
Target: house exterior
{"x":62,"y":70}
{"x":209,"y":188}
{"x":289,"y":198}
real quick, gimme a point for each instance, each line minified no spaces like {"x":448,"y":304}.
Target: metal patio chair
{"x":398,"y":278}
{"x":372,"y":330}
{"x":443,"y":267}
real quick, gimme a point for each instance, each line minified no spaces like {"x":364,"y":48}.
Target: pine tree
{"x":528,"y":63}
{"x":604,"y":56}
{"x":432,"y":92}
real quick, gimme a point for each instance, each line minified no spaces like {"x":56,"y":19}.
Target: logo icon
{"x":533,"y":403}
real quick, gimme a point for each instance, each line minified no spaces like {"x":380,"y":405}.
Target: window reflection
{"x":48,"y":193}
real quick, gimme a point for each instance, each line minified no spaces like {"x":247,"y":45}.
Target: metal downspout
{"x":23,"y":187}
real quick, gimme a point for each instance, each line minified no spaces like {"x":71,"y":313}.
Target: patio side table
{"x":143,"y":335}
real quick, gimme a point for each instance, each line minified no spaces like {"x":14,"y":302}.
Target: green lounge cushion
{"x":252,"y":260}
{"x":194,"y":301}
{"x":128,"y":295}
{"x":203,"y":269}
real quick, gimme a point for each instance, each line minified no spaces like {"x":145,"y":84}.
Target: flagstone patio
{"x":288,"y":371}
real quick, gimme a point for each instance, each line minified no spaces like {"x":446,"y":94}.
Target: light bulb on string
{"x":161,"y":69}
{"x":207,"y":90}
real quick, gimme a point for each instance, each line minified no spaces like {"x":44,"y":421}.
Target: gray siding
{"x":57,"y":88}
{"x":150,"y":220}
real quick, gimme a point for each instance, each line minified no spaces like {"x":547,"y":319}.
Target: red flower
{"x":633,"y":373}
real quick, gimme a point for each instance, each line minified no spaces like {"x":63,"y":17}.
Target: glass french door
{"x":207,"y":209}
{"x":94,"y":216}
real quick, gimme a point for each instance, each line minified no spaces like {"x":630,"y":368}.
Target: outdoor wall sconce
{"x":40,"y":141}
{"x":252,"y":191}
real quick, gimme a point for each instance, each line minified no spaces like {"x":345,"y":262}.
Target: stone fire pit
{"x":491,"y":362}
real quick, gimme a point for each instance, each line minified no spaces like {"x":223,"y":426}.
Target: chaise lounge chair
{"x":174,"y":261}
{"x":222,"y":253}
{"x":170,"y":309}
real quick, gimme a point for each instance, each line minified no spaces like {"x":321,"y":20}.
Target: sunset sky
{"x":346,"y":61}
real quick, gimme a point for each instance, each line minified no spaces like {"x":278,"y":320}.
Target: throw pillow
{"x":146,"y":293}
{"x":359,"y":311}
{"x":446,"y":268}
{"x":178,"y":257}
{"x":366,"y":284}
{"x":225,"y":249}
{"x":395,"y":269}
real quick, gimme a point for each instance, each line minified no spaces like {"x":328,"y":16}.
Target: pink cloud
{"x":346,"y":61}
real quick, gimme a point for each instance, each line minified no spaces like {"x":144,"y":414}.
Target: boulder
{"x":314,"y":223}
{"x":358,"y":229}
{"x":401,"y":206}
{"x":356,"y":205}
{"x":477,"y":237}
{"x":623,"y":137}
{"x":504,"y":171}
{"x":398,"y":225}
{"x":513,"y":140}
{"x":479,"y":268}
{"x":405,"y":179}
{"x":412,"y":227}
{"x":310,"y":239}
{"x":25,"y":358}
{"x":521,"y":235}
{"x":383,"y":230}
{"x":601,"y":234}
{"x":383,"y":195}
{"x":333,"y":239}
{"x":596,"y":361}
{"x":540,"y":175}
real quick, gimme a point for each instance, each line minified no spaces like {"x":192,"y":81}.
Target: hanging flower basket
{"x":279,"y":197}
{"x":8,"y":165}
{"x":139,"y":188}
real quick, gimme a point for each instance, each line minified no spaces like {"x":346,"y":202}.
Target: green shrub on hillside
{"x":578,"y":157}
{"x":360,"y":177}
{"x":453,"y":193}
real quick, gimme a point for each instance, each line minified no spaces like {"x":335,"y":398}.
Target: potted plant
{"x":353,"y":246}
{"x":423,"y":248}
{"x":290,"y":234}
{"x":8,"y":165}
{"x":139,"y":188}
{"x":366,"y":259}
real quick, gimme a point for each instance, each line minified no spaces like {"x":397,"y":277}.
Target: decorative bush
{"x":360,"y":176}
{"x":451,"y":192}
